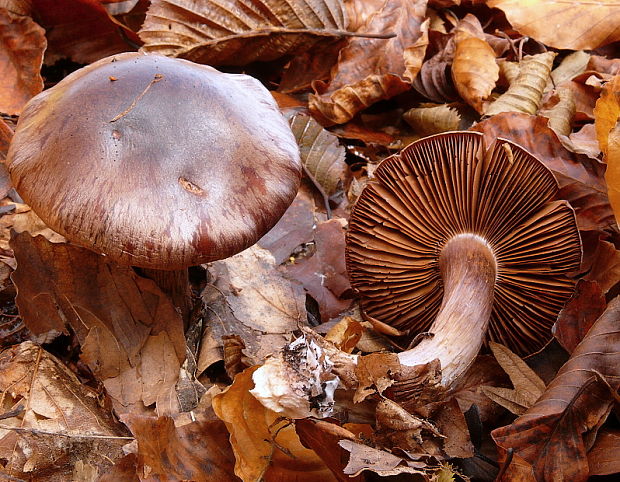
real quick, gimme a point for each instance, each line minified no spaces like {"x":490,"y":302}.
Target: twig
{"x":35,"y":431}
{"x":156,"y":78}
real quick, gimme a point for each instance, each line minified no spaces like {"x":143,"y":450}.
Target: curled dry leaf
{"x":321,"y":153}
{"x":237,"y":32}
{"x":564,"y":25}
{"x":551,"y":439}
{"x":57,"y":421}
{"x":370,"y":70}
{"x":528,"y":387}
{"x":474,"y":69}
{"x":434,"y":80}
{"x":130,"y":334}
{"x":607,"y":111}
{"x":525,"y":92}
{"x":584,"y":141}
{"x":266,"y":446}
{"x":579,"y":314}
{"x":604,"y":457}
{"x":249,"y":297}
{"x":22,"y":43}
{"x":581,"y":179}
{"x":427,"y":121}
{"x":381,"y":462}
{"x":561,"y":114}
{"x":571,"y":65}
{"x":323,"y":275}
{"x":197,"y":451}
{"x":346,"y":334}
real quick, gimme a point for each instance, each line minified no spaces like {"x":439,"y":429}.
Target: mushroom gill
{"x":464,"y":241}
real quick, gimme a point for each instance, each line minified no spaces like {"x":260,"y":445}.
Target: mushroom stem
{"x":468,"y":270}
{"x":176,"y":285}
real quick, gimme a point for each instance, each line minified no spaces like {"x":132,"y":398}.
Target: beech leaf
{"x":237,"y":32}
{"x":551,"y":439}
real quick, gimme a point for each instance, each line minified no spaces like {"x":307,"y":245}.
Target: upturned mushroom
{"x":462,"y":242}
{"x":156,"y":163}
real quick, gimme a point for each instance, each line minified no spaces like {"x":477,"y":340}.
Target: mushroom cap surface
{"x":451,"y":184}
{"x":156,"y":162}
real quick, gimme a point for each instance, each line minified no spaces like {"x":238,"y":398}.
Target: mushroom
{"x":465,"y":242}
{"x":156,"y":163}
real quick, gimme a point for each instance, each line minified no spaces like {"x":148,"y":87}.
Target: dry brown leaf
{"x":561,"y":114}
{"x":370,"y":70}
{"x":581,"y":179}
{"x":607,"y":111}
{"x":605,"y":269}
{"x":130,"y":334}
{"x":528,"y":387}
{"x":321,"y":153}
{"x":323,"y":437}
{"x":573,"y":64}
{"x":564,"y":25}
{"x":525,"y":93}
{"x":249,"y":297}
{"x":604,"y":457}
{"x":22,"y":43}
{"x":82,"y":30}
{"x":474,"y":69}
{"x":612,"y":174}
{"x":584,"y":141}
{"x":578,"y":315}
{"x":551,"y":439}
{"x":381,"y":462}
{"x":427,"y":121}
{"x":58,"y":421}
{"x":434,"y":80}
{"x":295,"y":227}
{"x":6,"y":134}
{"x":236,"y":32}
{"x":346,"y":334}
{"x":197,"y":451}
{"x":256,"y":433}
{"x":323,"y":275}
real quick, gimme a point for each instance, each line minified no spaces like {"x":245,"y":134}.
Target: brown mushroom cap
{"x":156,"y":162}
{"x":452,"y":184}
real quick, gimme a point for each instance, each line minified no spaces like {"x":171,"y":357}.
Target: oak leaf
{"x":551,"y":439}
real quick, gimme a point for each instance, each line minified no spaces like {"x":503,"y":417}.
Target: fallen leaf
{"x":434,"y":81}
{"x":197,"y":451}
{"x":575,"y":25}
{"x":370,"y":70}
{"x":551,"y":439}
{"x":130,"y":334}
{"x":525,"y":93}
{"x":570,"y":66}
{"x":528,"y":387}
{"x":561,"y":114}
{"x":605,"y":269}
{"x":249,"y":297}
{"x":345,"y":334}
{"x":381,"y":462}
{"x":604,"y":456}
{"x":323,"y":437}
{"x":258,"y":435}
{"x":81,"y":30}
{"x":6,"y":134}
{"x":579,"y":314}
{"x":607,"y":111}
{"x":323,"y":274}
{"x":584,"y":141}
{"x":58,"y":421}
{"x":22,"y":43}
{"x":581,"y":179}
{"x":474,"y":69}
{"x":295,"y":227}
{"x":427,"y":121}
{"x":236,"y":32}
{"x":321,"y":153}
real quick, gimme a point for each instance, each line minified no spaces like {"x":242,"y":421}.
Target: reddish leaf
{"x":604,"y":457}
{"x":551,"y":439}
{"x":581,"y":311}
{"x":580,"y":178}
{"x":197,"y":451}
{"x":22,"y":43}
{"x":323,"y":274}
{"x":605,"y":268}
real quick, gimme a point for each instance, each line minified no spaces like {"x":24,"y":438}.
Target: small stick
{"x":156,"y":78}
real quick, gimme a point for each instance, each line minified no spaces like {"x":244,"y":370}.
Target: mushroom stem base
{"x":468,"y":272}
